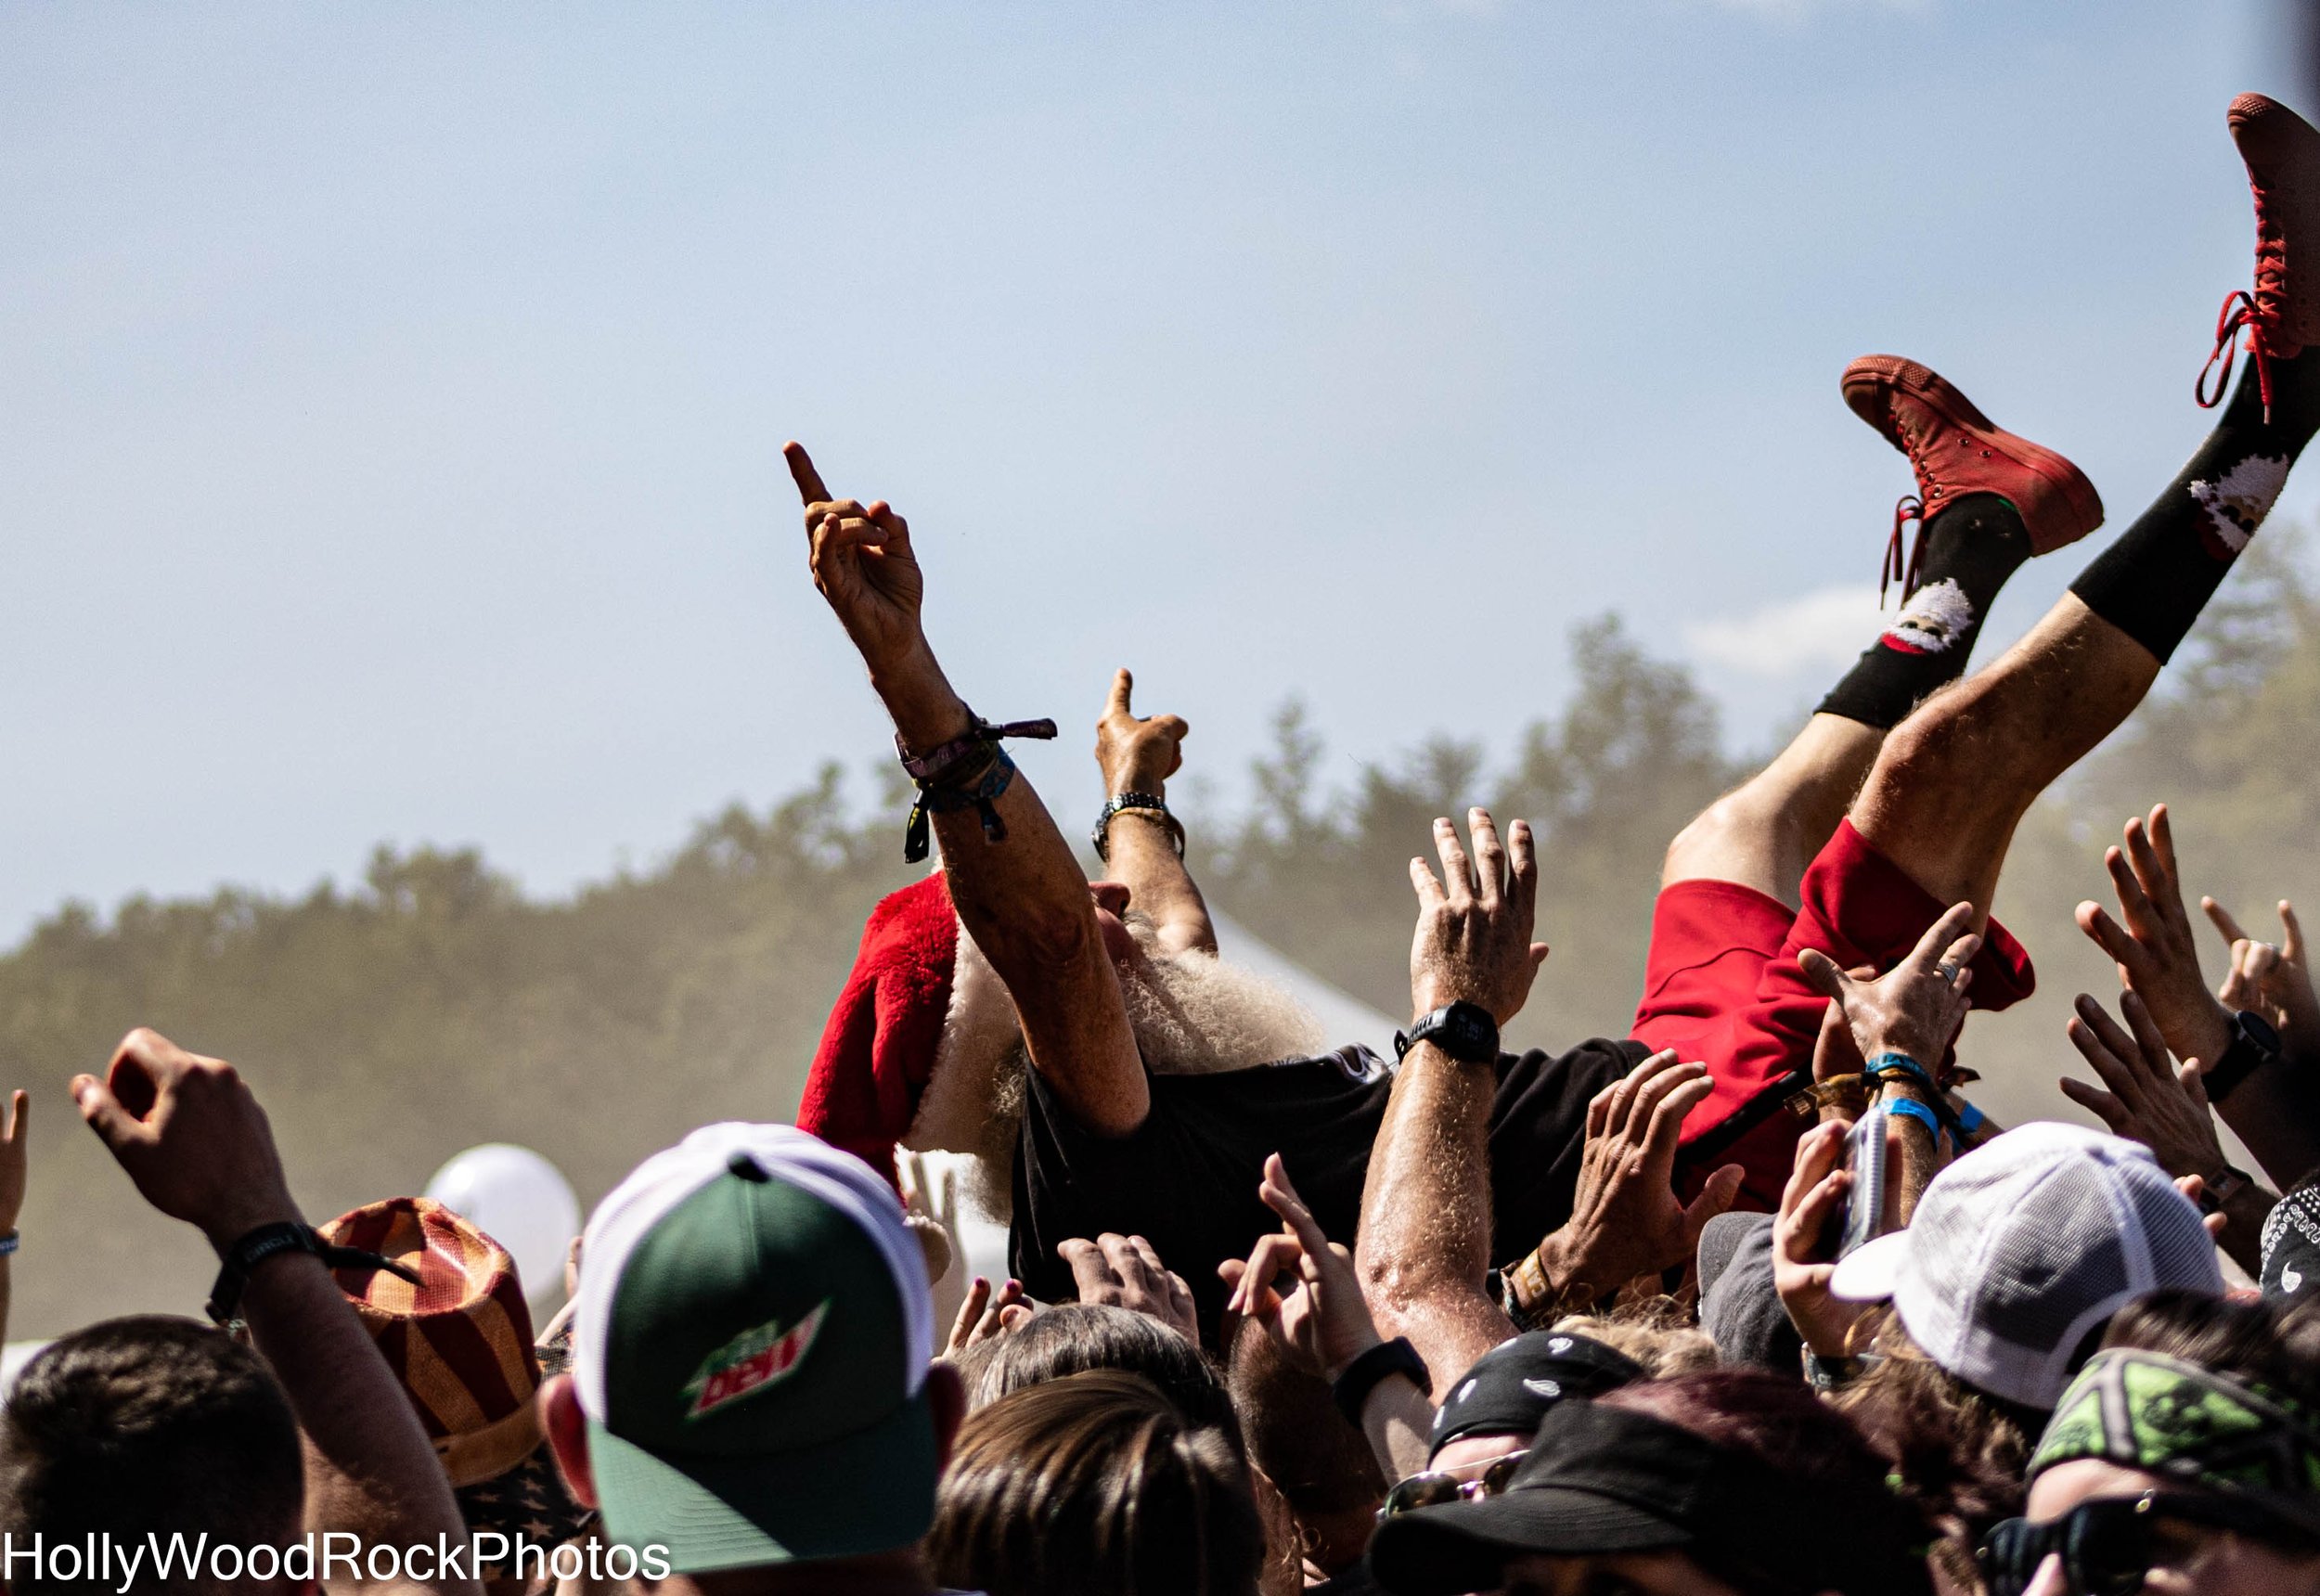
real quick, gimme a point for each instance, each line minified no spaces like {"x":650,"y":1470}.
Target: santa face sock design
{"x":2153,"y":581}
{"x":1971,"y":548}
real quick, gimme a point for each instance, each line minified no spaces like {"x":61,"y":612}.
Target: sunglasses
{"x":1434,"y":1489}
{"x":2110,"y":1544}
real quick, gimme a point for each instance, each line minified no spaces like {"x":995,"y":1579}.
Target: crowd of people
{"x":1750,"y":1300}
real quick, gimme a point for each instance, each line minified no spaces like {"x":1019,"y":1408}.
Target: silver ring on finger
{"x":1950,"y":972}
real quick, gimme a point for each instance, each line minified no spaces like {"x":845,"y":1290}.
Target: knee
{"x":1733,"y":825}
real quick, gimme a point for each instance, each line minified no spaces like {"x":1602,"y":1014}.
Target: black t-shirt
{"x":1186,"y":1179}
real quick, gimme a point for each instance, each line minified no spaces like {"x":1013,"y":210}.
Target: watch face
{"x":2260,"y":1030}
{"x":1466,"y":1032}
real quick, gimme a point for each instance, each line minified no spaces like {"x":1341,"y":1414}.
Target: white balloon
{"x":519,"y":1199}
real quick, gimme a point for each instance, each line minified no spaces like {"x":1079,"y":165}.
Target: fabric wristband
{"x":1886,"y":1064}
{"x":286,"y":1236}
{"x":1910,"y":1108}
{"x":1969,"y":1118}
{"x":9,"y":1243}
{"x":1351,"y":1390}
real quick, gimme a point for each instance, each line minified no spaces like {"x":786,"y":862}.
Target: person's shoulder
{"x":1618,"y":1054}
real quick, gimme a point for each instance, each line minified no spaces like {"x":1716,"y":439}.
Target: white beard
{"x":1191,"y":1013}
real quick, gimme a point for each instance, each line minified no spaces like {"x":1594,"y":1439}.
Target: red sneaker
{"x":1956,"y":450}
{"x":2283,"y":315}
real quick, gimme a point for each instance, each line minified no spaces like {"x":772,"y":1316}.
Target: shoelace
{"x":1911,"y":507}
{"x":2239,"y":311}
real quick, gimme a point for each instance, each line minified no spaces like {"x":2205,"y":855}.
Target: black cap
{"x":2291,"y":1246}
{"x":1509,"y":1388}
{"x":1602,"y":1480}
{"x":1739,"y":1309}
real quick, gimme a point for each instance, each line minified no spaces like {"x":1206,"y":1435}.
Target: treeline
{"x":432,"y":1006}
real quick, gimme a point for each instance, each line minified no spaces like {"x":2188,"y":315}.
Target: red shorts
{"x":1721,"y":987}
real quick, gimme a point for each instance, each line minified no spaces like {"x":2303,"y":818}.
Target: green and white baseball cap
{"x":751,"y":1351}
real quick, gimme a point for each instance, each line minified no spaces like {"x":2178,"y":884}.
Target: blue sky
{"x":392,"y":394}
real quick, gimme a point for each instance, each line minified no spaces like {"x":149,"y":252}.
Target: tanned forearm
{"x":1144,"y":860}
{"x":1398,"y":1421}
{"x":369,"y":1469}
{"x":1425,"y":1245}
{"x":1025,"y":904}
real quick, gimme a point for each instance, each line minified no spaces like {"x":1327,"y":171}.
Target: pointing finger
{"x":2292,"y":947}
{"x":1123,"y":684}
{"x":802,"y":473}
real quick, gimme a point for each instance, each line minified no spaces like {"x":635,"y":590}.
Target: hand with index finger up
{"x":862,"y":562}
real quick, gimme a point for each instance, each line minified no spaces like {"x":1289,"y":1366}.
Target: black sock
{"x":2152,"y":583}
{"x":1971,"y":547}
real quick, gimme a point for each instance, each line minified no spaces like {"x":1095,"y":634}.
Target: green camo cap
{"x":752,"y":1347}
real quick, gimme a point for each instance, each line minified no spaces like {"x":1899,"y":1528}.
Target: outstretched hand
{"x":987,"y":1315}
{"x":1473,"y":943}
{"x":2156,"y":954}
{"x":1137,"y":755}
{"x":190,"y":1135}
{"x":1916,"y":1007}
{"x":1323,"y":1323}
{"x":2272,"y":980}
{"x":2151,"y":1099}
{"x":1626,"y":1220}
{"x":861,"y":560}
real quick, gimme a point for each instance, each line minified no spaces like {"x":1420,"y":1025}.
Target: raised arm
{"x":2269,"y":1105}
{"x":1424,"y":1249}
{"x":1012,"y":878}
{"x":1143,"y":845}
{"x":194,"y":1141}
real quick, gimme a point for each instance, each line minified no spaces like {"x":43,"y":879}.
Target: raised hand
{"x":1323,"y":1323}
{"x":2151,"y":1099}
{"x":2156,"y":954}
{"x":190,"y":1134}
{"x":12,"y":1162}
{"x":1626,"y":1220}
{"x":1125,"y":1272}
{"x":1137,"y":755}
{"x":986,"y":1316}
{"x":1473,"y":943}
{"x":1916,"y":1007}
{"x":2273,"y":981}
{"x":1801,"y":1267}
{"x":861,"y":560}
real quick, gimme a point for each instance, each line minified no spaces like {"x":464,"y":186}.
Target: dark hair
{"x":1959,"y":1454}
{"x":1074,"y":1338}
{"x":149,"y":1425}
{"x":1095,"y":1483}
{"x":1778,"y":1425}
{"x":2272,"y":1343}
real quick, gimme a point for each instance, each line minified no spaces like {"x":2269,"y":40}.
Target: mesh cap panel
{"x":2021,"y":1247}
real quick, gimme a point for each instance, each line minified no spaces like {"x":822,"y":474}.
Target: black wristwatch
{"x":2254,"y":1044}
{"x":1464,"y":1031}
{"x":1366,"y":1374}
{"x":255,"y":1247}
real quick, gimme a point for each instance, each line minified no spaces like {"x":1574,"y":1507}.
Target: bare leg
{"x":1764,"y":832}
{"x":1953,"y":779}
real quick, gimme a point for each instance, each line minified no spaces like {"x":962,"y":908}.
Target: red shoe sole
{"x":2083,"y":504}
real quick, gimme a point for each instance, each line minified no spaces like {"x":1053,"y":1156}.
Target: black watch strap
{"x":2253,"y":1045}
{"x":1464,"y":1031}
{"x":255,"y":1247}
{"x":1366,"y":1374}
{"x":1152,"y":803}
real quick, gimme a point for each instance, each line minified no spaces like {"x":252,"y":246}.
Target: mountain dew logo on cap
{"x":751,"y":1362}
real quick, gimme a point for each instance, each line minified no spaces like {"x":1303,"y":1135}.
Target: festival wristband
{"x":1969,"y":1118}
{"x":1887,"y":1064}
{"x":1910,"y":1108}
